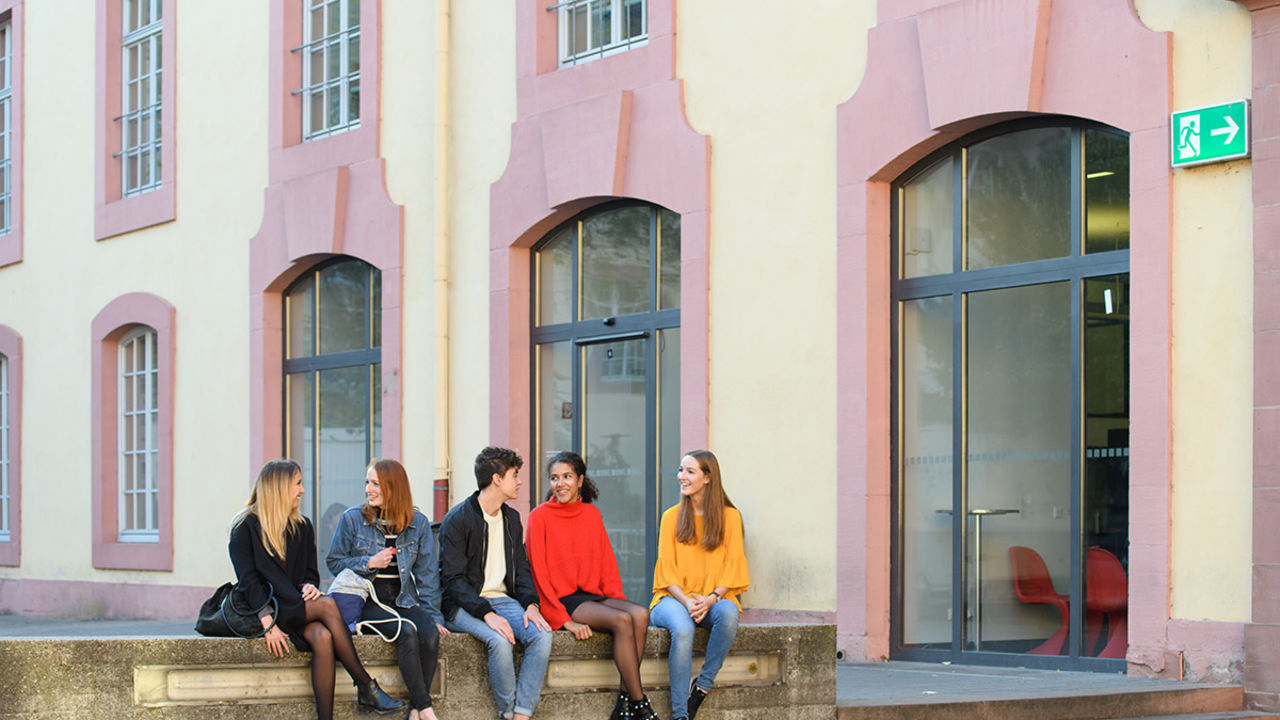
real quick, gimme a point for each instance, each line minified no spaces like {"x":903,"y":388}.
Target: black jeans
{"x":416,"y":652}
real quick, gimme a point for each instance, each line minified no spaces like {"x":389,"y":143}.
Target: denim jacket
{"x":355,"y":541}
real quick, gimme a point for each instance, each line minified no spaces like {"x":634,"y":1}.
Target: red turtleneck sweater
{"x":570,"y":552}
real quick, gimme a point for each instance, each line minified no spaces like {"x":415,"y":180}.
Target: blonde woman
{"x":273,"y":550}
{"x":701,"y":571}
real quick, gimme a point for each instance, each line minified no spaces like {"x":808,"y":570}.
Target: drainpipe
{"x":444,"y":469}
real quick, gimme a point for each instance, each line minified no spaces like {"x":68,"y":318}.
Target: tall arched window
{"x":1011,"y":373}
{"x":138,"y":434}
{"x":333,"y":384}
{"x":606,"y":367}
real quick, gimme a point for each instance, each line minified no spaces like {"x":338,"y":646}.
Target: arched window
{"x":333,"y":384}
{"x":138,"y":424}
{"x":606,"y":366}
{"x":1011,"y":372}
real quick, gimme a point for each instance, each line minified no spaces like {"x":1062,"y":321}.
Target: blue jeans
{"x":722,"y":620}
{"x":511,"y":693}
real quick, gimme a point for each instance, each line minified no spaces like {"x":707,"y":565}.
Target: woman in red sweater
{"x":576,"y":573}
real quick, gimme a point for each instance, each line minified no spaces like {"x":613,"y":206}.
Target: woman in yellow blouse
{"x":701,"y":571}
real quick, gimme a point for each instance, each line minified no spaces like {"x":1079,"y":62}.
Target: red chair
{"x":1107,"y":592}
{"x":1032,"y":585}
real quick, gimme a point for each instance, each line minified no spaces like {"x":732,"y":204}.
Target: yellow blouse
{"x":696,"y":570}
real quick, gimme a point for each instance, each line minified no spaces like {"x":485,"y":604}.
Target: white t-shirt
{"x":495,"y":562}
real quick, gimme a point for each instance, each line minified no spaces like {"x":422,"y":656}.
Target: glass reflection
{"x":1019,"y":198}
{"x":1106,"y":191}
{"x":615,"y":263}
{"x":344,"y":296}
{"x":926,"y":245}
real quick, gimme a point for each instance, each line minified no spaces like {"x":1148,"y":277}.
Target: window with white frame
{"x":139,"y":449}
{"x":6,"y":135}
{"x":4,"y":449}
{"x":590,"y":29}
{"x":330,"y":67}
{"x":140,"y":85}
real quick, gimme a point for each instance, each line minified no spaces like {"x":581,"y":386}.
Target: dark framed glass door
{"x":1011,"y":318}
{"x":606,"y":368}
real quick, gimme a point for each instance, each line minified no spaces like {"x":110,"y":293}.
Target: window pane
{"x":669,"y":448}
{"x":635,"y":22}
{"x":927,"y":209}
{"x":375,"y":373}
{"x":1019,"y":194}
{"x":1106,"y":191}
{"x":554,"y":406}
{"x":353,"y":102}
{"x":669,"y":261}
{"x":300,"y":319}
{"x":343,"y":436}
{"x":300,"y":428}
{"x":555,"y":277}
{"x":344,"y":299}
{"x":926,"y":470}
{"x":615,"y":263}
{"x":375,"y":304}
{"x":615,"y":434}
{"x":601,"y":24}
{"x":1019,"y":458}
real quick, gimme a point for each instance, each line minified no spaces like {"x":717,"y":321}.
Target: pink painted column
{"x":1262,"y":635}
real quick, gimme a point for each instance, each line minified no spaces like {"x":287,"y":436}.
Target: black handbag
{"x":222,"y":616}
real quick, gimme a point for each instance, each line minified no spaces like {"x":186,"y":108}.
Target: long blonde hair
{"x":270,"y":500}
{"x":712,"y":507}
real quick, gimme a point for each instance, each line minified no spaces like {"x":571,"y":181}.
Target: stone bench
{"x":772,"y":667}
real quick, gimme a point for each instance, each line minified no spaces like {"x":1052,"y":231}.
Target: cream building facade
{"x":413,"y":229}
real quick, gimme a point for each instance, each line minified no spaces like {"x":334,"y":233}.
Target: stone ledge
{"x":771,"y":667}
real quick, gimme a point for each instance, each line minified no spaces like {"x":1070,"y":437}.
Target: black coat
{"x":255,"y":567}
{"x":464,"y":545}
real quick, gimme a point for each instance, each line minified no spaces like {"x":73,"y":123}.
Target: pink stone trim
{"x":11,"y":242}
{"x":1262,"y":667}
{"x":290,"y":158}
{"x":344,"y":210}
{"x":113,"y":214}
{"x":327,"y":197}
{"x":611,"y":128}
{"x":100,"y":600}
{"x":1092,"y":59}
{"x":109,"y":326}
{"x":11,"y":348}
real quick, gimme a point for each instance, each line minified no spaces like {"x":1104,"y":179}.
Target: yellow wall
{"x":197,"y":263}
{"x":1212,"y":324}
{"x":765,"y":86}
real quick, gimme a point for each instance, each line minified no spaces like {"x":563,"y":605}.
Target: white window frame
{"x":337,"y":42}
{"x":4,"y":449}
{"x":588,"y":9}
{"x":140,"y":96}
{"x":6,"y":127}
{"x":141,"y":343}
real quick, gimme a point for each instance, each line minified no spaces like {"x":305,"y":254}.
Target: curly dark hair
{"x":495,"y":461}
{"x":588,"y":492}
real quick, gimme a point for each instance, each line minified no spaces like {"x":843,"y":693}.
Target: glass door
{"x":606,"y":379}
{"x":1011,"y":336}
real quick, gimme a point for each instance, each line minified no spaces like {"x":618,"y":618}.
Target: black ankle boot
{"x":641,"y":710}
{"x":696,"y":696}
{"x":620,"y":708}
{"x":371,"y":697}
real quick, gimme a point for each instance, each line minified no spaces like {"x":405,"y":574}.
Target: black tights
{"x":329,"y":637}
{"x":417,"y":652}
{"x":628,"y":623}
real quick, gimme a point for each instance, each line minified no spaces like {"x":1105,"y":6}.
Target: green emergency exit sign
{"x":1210,"y":134}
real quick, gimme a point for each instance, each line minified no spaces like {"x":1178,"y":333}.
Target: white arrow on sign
{"x":1230,"y":130}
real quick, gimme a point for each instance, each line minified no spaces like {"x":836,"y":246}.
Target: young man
{"x":487,"y":585}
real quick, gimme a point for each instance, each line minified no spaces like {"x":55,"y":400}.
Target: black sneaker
{"x":696,"y":696}
{"x":371,"y":697}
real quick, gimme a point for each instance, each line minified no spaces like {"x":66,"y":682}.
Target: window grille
{"x":590,"y":29}
{"x":330,"y":67}
{"x":139,"y":416}
{"x":140,"y":84}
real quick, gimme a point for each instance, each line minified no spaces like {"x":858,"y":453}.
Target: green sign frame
{"x":1213,"y":133}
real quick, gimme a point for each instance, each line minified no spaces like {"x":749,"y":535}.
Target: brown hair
{"x":270,"y":501}
{"x":713,"y":506}
{"x":396,"y":512}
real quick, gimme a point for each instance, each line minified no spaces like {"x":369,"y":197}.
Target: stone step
{"x":1226,"y":715}
{"x":1086,"y":705}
